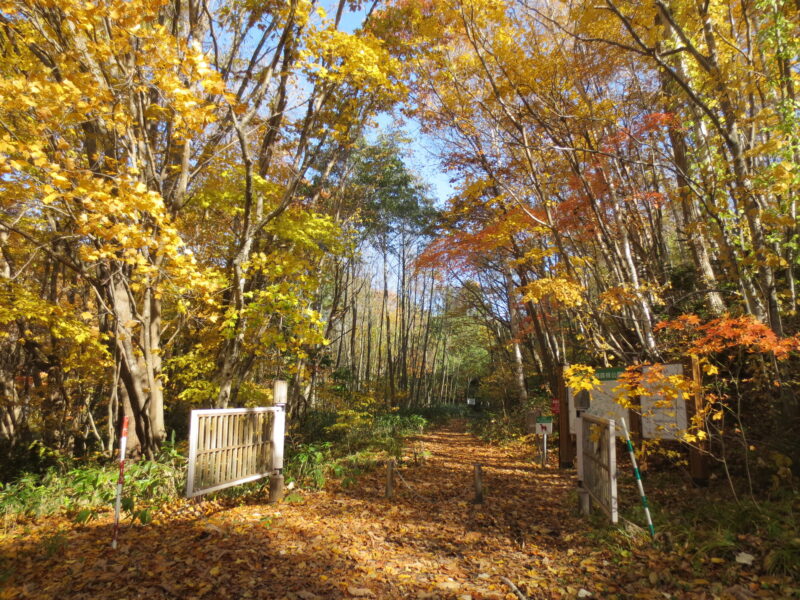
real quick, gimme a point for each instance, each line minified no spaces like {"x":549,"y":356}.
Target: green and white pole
{"x":638,"y":477}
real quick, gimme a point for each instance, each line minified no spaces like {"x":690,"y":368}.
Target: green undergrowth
{"x":83,"y":488}
{"x":706,"y":528}
{"x":498,"y":427}
{"x":348,"y":443}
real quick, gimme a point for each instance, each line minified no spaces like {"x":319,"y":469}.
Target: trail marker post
{"x":638,"y":476}
{"x":123,"y":445}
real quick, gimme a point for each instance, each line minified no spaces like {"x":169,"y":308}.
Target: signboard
{"x":602,"y":404}
{"x":611,"y":374}
{"x":470,"y":401}
{"x":663,"y":408}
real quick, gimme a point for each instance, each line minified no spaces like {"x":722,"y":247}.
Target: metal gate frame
{"x":276,"y":442}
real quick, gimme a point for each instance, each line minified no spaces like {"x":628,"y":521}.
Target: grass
{"x":82,"y":489}
{"x":706,"y":524}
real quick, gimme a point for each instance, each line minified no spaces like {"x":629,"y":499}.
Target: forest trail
{"x":430,"y":541}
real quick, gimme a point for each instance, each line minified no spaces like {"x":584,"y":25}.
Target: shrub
{"x":84,"y":488}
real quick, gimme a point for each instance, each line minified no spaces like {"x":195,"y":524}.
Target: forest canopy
{"x":194,"y":201}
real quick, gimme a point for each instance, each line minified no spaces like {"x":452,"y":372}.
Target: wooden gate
{"x":231,"y":446}
{"x":597,"y":463}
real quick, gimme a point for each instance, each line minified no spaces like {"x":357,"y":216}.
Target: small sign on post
{"x":544,"y":427}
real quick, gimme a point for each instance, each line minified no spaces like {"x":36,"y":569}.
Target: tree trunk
{"x":516,"y":350}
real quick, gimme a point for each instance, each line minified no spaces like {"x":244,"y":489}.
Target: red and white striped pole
{"x":123,"y":443}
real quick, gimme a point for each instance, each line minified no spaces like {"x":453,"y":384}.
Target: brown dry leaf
{"x":360,"y":592}
{"x":449,"y":586}
{"x":429,"y":542}
{"x":472,"y":536}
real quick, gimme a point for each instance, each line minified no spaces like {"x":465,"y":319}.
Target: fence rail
{"x":597,"y":462}
{"x":231,"y":446}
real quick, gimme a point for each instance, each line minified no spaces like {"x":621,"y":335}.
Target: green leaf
{"x":145,"y":516}
{"x":84,"y":516}
{"x":128,"y":504}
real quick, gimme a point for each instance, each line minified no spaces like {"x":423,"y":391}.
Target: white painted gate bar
{"x":597,"y":461}
{"x":231,"y":446}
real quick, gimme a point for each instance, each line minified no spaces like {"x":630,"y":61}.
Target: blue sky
{"x":421,"y":158}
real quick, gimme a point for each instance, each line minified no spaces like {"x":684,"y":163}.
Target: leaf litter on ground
{"x":430,"y":541}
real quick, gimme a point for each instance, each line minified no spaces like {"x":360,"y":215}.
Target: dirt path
{"x":431,"y":541}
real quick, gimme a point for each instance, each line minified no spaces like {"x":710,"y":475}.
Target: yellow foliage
{"x":560,"y":289}
{"x":360,"y":61}
{"x":83,"y":346}
{"x":581,"y":377}
{"x":615,"y":298}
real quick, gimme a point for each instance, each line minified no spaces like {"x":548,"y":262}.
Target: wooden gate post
{"x":194,"y":421}
{"x":390,"y":479}
{"x":280,"y":394}
{"x":584,"y":503}
{"x":698,"y":465}
{"x":566,"y":451}
{"x":478,"y":484}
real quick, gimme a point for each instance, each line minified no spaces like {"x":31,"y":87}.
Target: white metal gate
{"x":597,"y":462}
{"x":231,"y":446}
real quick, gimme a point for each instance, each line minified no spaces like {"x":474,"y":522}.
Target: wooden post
{"x":584,"y":500}
{"x":276,"y":488}
{"x":194,"y":423}
{"x":478,"y":484}
{"x":544,"y":450}
{"x":566,"y":451}
{"x":612,"y":470}
{"x":390,"y":479}
{"x":698,"y":466}
{"x":280,"y":394}
{"x":579,"y":453}
{"x":279,"y":423}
